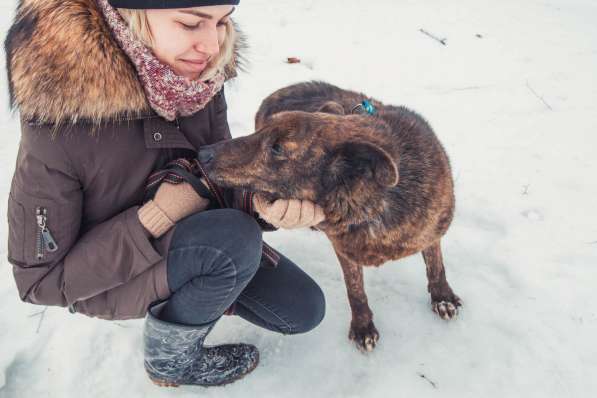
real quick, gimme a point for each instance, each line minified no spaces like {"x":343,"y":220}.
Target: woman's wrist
{"x":153,"y":219}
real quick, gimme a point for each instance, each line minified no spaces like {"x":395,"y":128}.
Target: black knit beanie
{"x":146,"y":4}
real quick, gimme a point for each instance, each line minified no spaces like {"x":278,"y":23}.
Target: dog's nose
{"x":205,"y":155}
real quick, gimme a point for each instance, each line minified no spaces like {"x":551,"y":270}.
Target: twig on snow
{"x":538,"y":96}
{"x":464,"y":88}
{"x":421,"y":375}
{"x":41,"y":318}
{"x":442,"y":41}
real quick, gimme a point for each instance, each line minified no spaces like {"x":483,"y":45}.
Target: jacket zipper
{"x":45,"y":241}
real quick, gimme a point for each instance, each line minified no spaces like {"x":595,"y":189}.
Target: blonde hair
{"x":139,"y":26}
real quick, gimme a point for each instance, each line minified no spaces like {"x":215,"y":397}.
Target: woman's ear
{"x":356,"y":160}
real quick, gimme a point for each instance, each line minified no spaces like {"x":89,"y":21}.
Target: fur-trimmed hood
{"x":64,"y":65}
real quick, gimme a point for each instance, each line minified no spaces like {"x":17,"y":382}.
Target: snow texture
{"x":513,"y":97}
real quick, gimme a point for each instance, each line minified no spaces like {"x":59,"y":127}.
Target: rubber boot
{"x":175,"y":354}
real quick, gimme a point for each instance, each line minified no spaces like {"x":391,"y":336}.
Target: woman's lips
{"x":197,"y":66}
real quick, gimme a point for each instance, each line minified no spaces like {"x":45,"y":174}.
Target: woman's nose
{"x":208,"y":42}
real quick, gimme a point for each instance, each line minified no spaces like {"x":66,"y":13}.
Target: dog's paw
{"x":447,"y":308}
{"x":365,"y":337}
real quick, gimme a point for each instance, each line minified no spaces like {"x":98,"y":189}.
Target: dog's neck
{"x":346,"y":211}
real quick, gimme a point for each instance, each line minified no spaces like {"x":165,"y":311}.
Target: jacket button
{"x":157,"y":137}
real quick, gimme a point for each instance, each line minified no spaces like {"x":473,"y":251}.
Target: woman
{"x":109,"y":91}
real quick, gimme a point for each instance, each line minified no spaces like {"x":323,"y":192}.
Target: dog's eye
{"x":277,"y":149}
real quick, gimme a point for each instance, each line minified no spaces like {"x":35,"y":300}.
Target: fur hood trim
{"x":64,"y":65}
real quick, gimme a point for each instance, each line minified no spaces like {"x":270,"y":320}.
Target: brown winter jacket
{"x":89,"y":141}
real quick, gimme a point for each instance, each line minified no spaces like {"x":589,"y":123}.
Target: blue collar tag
{"x":368,"y":107}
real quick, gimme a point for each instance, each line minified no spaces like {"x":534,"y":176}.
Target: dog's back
{"x":307,"y":97}
{"x":426,"y":187}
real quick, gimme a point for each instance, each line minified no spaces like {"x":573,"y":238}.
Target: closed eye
{"x":199,"y":24}
{"x":190,"y":27}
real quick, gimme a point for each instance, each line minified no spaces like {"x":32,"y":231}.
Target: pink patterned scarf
{"x":169,"y":94}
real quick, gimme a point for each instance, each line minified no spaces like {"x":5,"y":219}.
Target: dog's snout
{"x":205,"y":155}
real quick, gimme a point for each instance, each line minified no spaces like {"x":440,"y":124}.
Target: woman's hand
{"x":171,"y":203}
{"x":178,"y":201}
{"x":288,"y":213}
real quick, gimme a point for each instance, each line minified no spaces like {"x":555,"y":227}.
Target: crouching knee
{"x":311,"y":313}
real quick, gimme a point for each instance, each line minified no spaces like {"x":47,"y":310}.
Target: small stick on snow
{"x":464,"y":88}
{"x":442,"y":41}
{"x":41,"y":318}
{"x":421,"y":375}
{"x":538,"y":96}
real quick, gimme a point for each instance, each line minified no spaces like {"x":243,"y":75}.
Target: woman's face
{"x":187,"y":38}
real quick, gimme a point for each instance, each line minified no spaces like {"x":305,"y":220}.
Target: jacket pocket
{"x":34,"y":232}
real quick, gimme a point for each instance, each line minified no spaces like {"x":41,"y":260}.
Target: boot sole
{"x":165,"y":383}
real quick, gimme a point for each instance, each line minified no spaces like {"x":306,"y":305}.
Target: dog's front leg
{"x":443,"y":300}
{"x":362,"y":330}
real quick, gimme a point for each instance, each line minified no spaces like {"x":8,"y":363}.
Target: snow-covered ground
{"x":513,"y":96}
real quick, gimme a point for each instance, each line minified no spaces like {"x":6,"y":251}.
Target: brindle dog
{"x":382,"y":178}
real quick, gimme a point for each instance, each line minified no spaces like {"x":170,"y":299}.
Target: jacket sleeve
{"x":240,"y":198}
{"x":54,"y":262}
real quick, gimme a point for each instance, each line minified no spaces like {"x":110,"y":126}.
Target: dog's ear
{"x":354,"y":160}
{"x":331,"y":107}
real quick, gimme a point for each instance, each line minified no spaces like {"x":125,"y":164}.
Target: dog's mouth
{"x":223,"y":182}
{"x":234,"y":183}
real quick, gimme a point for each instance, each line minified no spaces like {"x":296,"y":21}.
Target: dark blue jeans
{"x":213,"y":262}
